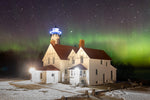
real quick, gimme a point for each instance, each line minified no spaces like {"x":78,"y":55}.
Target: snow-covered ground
{"x":48,"y":92}
{"x":56,"y":91}
{"x":129,"y":94}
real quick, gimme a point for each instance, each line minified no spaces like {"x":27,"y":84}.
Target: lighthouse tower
{"x":55,"y":35}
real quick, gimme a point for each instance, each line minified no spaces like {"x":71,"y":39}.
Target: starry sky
{"x":120,"y":27}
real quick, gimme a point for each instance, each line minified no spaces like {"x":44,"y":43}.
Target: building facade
{"x":74,"y":65}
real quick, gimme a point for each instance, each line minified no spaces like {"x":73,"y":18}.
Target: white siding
{"x":90,"y":64}
{"x":102,"y":69}
{"x":35,"y":76}
{"x":52,"y":76}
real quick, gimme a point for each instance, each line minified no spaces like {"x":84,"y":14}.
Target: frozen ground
{"x":47,"y":92}
{"x":130,"y":94}
{"x":56,"y":91}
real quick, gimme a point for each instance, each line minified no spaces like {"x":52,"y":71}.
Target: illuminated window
{"x":73,"y":61}
{"x":81,"y":59}
{"x":96,"y":71}
{"x":55,"y":31}
{"x":53,"y":60}
{"x":48,"y":60}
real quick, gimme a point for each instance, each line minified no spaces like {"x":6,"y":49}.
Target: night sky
{"x":120,"y":27}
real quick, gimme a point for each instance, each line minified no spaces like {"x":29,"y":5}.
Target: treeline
{"x":17,"y":64}
{"x":14,"y":64}
{"x":124,"y":71}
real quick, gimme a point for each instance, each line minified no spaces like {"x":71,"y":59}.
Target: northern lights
{"x":120,"y":27}
{"x":131,"y":48}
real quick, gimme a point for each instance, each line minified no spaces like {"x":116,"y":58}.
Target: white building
{"x":74,"y":65}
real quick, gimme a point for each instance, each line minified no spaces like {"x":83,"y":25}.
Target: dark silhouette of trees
{"x":124,"y":71}
{"x":8,"y":63}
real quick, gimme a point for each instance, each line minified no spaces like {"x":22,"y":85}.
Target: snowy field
{"x":47,"y":92}
{"x":130,"y":94}
{"x":27,"y":90}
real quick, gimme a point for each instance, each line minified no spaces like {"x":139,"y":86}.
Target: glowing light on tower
{"x":55,"y":31}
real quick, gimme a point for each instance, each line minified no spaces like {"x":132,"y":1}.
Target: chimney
{"x":81,"y":43}
{"x":52,"y":42}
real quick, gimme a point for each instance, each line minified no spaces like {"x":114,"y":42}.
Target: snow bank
{"x":129,"y":95}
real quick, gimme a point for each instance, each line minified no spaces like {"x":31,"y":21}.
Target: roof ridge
{"x":66,"y":45}
{"x":94,"y":49}
{"x":64,"y":50}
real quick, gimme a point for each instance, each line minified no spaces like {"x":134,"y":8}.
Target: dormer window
{"x":81,"y":59}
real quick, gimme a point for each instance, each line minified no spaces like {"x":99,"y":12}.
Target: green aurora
{"x":130,"y":48}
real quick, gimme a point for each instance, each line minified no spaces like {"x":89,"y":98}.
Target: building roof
{"x":80,"y":66}
{"x":96,"y":54}
{"x":48,"y":68}
{"x":63,"y":51}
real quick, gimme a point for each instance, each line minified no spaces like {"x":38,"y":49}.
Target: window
{"x":101,"y":62}
{"x":96,"y":82}
{"x":73,"y":61}
{"x":96,"y":72}
{"x":65,"y":80}
{"x":48,"y":60}
{"x":84,"y":71}
{"x":111,"y":75}
{"x":103,"y":78}
{"x":106,"y":63}
{"x":80,"y":72}
{"x":81,"y":59}
{"x":71,"y":73}
{"x":53,"y":60}
{"x":53,"y":75}
{"x":40,"y":75}
{"x":74,"y":73}
{"x":65,"y":71}
{"x":82,"y":81}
